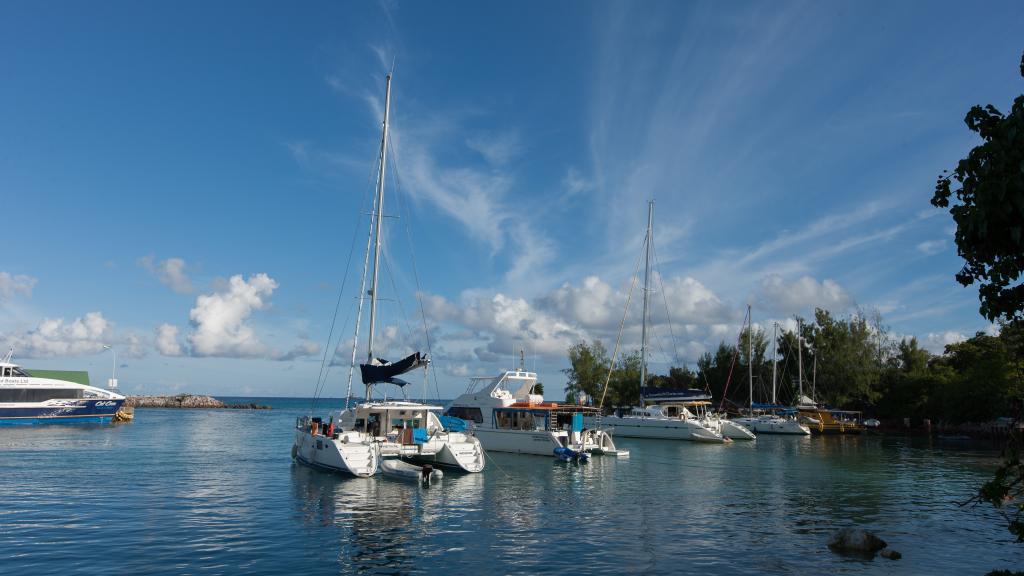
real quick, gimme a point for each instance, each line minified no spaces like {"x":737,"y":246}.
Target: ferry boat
{"x":28,"y":399}
{"x":508,"y":417}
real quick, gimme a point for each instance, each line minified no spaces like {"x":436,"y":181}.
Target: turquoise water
{"x":215,"y":492}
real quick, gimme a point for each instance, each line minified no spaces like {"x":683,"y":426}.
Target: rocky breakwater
{"x":187,"y":401}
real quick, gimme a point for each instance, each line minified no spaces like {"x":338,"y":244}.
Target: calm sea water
{"x":216,"y":492}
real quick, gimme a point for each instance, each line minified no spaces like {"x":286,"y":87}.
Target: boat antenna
{"x":10,"y":354}
{"x":647,"y":279}
{"x":378,"y":217}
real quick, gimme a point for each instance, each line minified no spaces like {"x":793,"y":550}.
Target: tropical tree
{"x":588,"y":369}
{"x":989,"y":213}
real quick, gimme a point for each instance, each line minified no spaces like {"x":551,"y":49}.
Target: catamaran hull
{"x":780,"y":426}
{"x":464,"y":454}
{"x":59,"y":411}
{"x":735,"y":431}
{"x":343,"y":454}
{"x":666,"y":429}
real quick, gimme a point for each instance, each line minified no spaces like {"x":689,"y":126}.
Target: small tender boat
{"x":396,"y":468}
{"x":570,"y":455}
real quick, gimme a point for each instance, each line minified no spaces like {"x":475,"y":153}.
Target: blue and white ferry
{"x":27,"y":399}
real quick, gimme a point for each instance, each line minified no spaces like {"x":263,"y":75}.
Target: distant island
{"x":187,"y":401}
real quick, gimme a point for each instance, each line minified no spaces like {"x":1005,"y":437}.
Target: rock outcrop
{"x":186,"y":401}
{"x":856,"y":540}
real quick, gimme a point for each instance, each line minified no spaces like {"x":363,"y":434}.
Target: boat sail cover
{"x":380,"y":371}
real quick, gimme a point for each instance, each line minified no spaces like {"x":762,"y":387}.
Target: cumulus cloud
{"x":167,"y":341}
{"x":15,"y":284}
{"x":219,"y":318}
{"x":55,"y":337}
{"x":170,"y":272}
{"x":936,"y":342}
{"x":802,"y":295}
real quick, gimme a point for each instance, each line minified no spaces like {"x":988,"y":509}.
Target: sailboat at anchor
{"x":355,"y":440}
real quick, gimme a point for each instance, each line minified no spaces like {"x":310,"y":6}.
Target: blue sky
{"x":186,"y":181}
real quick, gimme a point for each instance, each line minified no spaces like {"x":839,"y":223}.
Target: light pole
{"x":112,"y":383}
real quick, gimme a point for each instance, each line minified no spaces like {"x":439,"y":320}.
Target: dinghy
{"x":396,"y":468}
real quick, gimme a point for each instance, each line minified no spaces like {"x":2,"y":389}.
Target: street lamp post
{"x":112,"y":383}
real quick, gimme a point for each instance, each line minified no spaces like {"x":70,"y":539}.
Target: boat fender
{"x":295,"y":451}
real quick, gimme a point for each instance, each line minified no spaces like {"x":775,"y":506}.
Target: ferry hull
{"x":101,"y":410}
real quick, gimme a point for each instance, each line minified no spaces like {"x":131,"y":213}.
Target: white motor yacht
{"x":507,"y":416}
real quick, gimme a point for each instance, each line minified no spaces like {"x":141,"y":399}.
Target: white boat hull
{"x":539,"y":442}
{"x":459,"y":451}
{"x":661,"y":428}
{"x":735,"y":431}
{"x":350,"y":453}
{"x":773,"y":426}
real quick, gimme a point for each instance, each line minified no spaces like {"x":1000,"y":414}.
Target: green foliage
{"x":676,"y":378}
{"x":990,"y":214}
{"x":588,"y":370}
{"x":1006,"y":490}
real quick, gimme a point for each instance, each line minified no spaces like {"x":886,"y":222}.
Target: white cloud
{"x":575,"y":183}
{"x":219,"y":318}
{"x":55,"y":337}
{"x":15,"y":284}
{"x":936,"y":342}
{"x":497,"y":149}
{"x":302,"y":349}
{"x":802,"y":295}
{"x":170,"y":272}
{"x":930,"y":247}
{"x":167,"y":340}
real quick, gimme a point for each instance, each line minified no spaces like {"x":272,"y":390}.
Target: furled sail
{"x":380,"y":371}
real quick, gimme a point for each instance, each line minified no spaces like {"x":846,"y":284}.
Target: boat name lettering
{"x":106,"y":403}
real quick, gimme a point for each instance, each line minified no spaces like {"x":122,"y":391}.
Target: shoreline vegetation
{"x":973,"y":389}
{"x":188,"y":401}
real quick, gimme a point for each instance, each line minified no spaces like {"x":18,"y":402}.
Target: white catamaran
{"x":767,"y":422}
{"x":656,"y":421}
{"x":355,"y":439}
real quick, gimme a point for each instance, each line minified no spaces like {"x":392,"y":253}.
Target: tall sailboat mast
{"x":800,"y":358}
{"x":750,"y":357}
{"x":775,"y":355}
{"x":379,"y":217}
{"x":647,"y":279}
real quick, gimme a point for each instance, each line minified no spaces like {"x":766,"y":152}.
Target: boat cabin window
{"x":6,"y":371}
{"x":39,"y":394}
{"x":672,"y":411}
{"x":465,"y":413}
